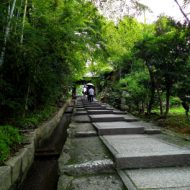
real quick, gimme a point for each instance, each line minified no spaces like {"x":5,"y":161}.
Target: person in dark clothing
{"x":185,"y":105}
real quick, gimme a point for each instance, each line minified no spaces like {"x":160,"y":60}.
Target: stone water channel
{"x":43,"y":174}
{"x":111,"y":150}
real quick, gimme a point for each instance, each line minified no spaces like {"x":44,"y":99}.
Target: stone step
{"x":152,"y":131}
{"x":80,"y":113}
{"x":115,"y":128}
{"x":81,"y":130}
{"x":79,"y":104}
{"x":80,"y":109}
{"x":69,"y":109}
{"x":81,"y":119}
{"x":130,"y":118}
{"x":172,"y":178}
{"x":118,"y":112}
{"x":106,"y":118}
{"x":96,"y":108}
{"x":92,"y":104}
{"x":99,"y":111}
{"x":144,"y":151}
{"x":86,"y":134}
{"x":109,"y":108}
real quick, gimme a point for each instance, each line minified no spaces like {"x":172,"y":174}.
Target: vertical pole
{"x":23,"y":21}
{"x":7,"y":31}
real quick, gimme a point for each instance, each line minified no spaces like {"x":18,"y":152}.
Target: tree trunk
{"x":160,"y":102}
{"x":160,"y":99}
{"x":180,"y":8}
{"x":151,"y":102}
{"x":23,"y":21}
{"x":168,"y":89}
{"x":7,"y":31}
{"x":18,"y":13}
{"x":142,"y":107}
{"x":26,"y":100}
{"x":152,"y":89}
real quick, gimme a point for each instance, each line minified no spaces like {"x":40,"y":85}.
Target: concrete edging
{"x":16,"y":168}
{"x":126,"y":180}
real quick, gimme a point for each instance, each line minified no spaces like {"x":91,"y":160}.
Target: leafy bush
{"x":34,"y":119}
{"x":175,"y":101}
{"x":9,"y":140}
{"x":136,"y":85}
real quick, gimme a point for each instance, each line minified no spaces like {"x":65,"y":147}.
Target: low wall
{"x":16,"y":168}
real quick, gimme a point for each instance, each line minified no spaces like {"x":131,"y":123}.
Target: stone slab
{"x":94,"y":182}
{"x":100,"y":112}
{"x":80,"y":109}
{"x":114,"y":128}
{"x":86,"y":134}
{"x":92,"y":105}
{"x":79,"y":106}
{"x":130,"y":118}
{"x":89,"y":168}
{"x":69,"y":109}
{"x":106,"y":118}
{"x":143,"y":151}
{"x":5,"y":177}
{"x":27,"y":158}
{"x":152,"y":131}
{"x":81,"y":119}
{"x":80,"y":150}
{"x":15,"y":164}
{"x":173,"y":178}
{"x":96,"y":108}
{"x":80,"y":113}
{"x":118,"y":112}
{"x":109,"y":108}
{"x":81,"y":130}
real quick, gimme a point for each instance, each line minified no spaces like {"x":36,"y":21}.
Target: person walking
{"x":91,"y":94}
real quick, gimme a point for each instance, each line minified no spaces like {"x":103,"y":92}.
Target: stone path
{"x":111,"y":150}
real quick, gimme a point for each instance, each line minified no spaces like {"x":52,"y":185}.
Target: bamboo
{"x":7,"y":31}
{"x":23,"y":21}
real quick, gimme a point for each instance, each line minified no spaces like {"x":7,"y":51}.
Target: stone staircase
{"x":143,"y":158}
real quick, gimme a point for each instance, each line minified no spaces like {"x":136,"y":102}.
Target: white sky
{"x":116,"y":9}
{"x":168,"y":7}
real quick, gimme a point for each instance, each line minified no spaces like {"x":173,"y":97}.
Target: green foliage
{"x":32,"y":120}
{"x":111,"y":94}
{"x":150,"y":62}
{"x":175,"y":102}
{"x":9,"y":139}
{"x":59,"y":37}
{"x":166,"y":56}
{"x":136,"y":84}
{"x":120,"y":39}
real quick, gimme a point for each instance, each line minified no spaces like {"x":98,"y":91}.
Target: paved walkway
{"x":111,"y":150}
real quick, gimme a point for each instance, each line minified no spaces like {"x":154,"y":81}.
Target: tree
{"x":181,"y":9}
{"x":166,"y":56}
{"x":47,"y":53}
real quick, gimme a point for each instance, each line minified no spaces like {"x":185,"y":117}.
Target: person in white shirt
{"x":91,"y":94}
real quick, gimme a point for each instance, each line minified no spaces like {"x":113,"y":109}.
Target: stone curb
{"x":16,"y":168}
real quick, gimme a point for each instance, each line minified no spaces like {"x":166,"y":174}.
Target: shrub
{"x":9,"y":140}
{"x":32,"y":120}
{"x":175,"y":101}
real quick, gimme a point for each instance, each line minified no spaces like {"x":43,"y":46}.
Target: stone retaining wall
{"x":16,"y":168}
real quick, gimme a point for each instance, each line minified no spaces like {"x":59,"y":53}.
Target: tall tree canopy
{"x":57,"y":40}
